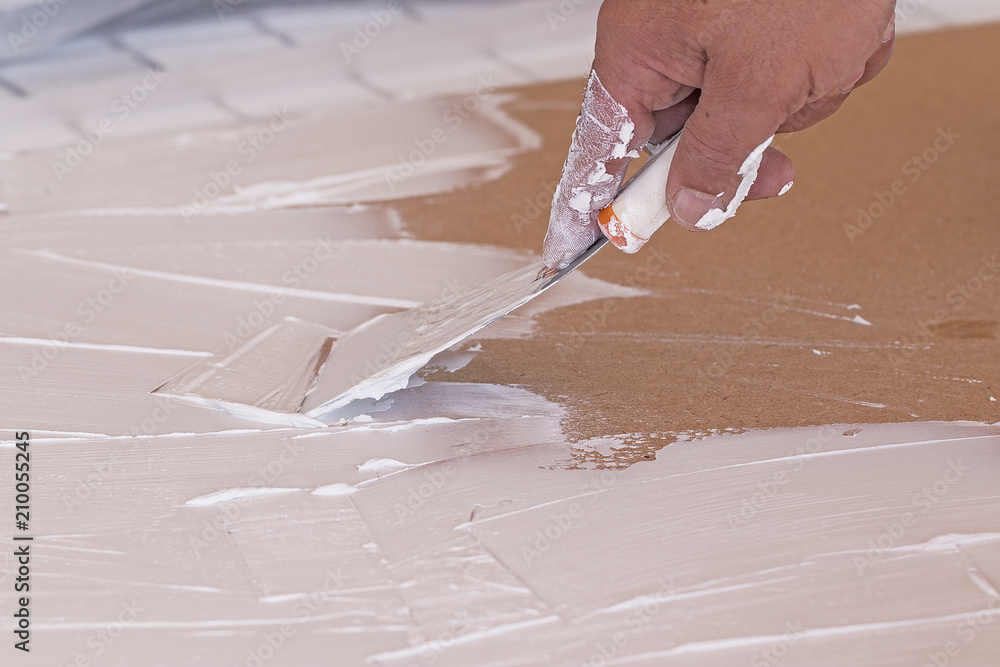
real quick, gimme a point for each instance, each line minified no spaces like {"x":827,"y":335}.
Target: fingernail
{"x":546,"y":272}
{"x":854,"y":81}
{"x":690,"y":206}
{"x":788,"y":186}
{"x":890,"y":30}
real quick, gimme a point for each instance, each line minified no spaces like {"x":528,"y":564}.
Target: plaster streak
{"x":748,"y":172}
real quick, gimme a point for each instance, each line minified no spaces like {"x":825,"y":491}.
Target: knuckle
{"x":716,"y":154}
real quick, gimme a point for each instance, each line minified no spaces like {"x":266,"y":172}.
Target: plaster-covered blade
{"x":257,"y":372}
{"x":379,"y":356}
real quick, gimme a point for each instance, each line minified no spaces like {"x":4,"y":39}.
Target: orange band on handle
{"x":640,"y":206}
{"x":617,"y":231}
{"x":611,"y":225}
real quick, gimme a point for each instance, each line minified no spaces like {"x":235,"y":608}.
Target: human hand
{"x":732,"y":73}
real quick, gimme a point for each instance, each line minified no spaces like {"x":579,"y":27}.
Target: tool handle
{"x":641,"y":205}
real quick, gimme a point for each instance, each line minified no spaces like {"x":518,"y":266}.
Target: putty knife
{"x":379,"y":356}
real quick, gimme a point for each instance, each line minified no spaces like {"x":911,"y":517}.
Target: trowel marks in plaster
{"x":272,"y":370}
{"x":380,"y":356}
{"x":467,"y":555}
{"x":802,"y":508}
{"x":380,"y":154}
{"x":446,"y":153}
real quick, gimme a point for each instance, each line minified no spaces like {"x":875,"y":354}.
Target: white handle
{"x":641,"y":206}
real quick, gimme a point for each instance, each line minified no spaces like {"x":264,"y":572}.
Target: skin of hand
{"x":731,"y":73}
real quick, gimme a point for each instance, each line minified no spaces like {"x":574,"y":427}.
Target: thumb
{"x":719,"y":153}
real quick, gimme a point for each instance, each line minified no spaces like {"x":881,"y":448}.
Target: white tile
{"x":328,"y":23}
{"x":35,"y":128}
{"x":433,"y":58}
{"x":552,"y":41}
{"x":305,"y":78}
{"x":305,"y":96}
{"x":200,"y":42}
{"x":82,"y":61}
{"x":172,"y":116}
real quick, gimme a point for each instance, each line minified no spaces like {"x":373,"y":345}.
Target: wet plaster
{"x":516,"y":503}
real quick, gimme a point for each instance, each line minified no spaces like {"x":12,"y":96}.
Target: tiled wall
{"x":241,"y":64}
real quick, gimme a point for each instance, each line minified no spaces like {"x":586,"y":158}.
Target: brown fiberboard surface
{"x":753,"y":325}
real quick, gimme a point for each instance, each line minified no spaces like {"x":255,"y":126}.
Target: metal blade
{"x":379,"y":356}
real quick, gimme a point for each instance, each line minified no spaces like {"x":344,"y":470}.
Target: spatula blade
{"x":379,"y":356}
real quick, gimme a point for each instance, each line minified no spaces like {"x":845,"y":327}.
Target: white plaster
{"x":748,"y":172}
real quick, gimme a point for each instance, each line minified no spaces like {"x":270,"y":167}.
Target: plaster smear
{"x":380,"y":356}
{"x":603,"y":133}
{"x":376,"y":154}
{"x":260,"y":373}
{"x":449,"y":525}
{"x":748,"y":172}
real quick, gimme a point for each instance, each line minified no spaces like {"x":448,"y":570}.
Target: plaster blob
{"x":603,"y":133}
{"x":748,"y":171}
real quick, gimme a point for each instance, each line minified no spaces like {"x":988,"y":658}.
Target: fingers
{"x":774,"y":177}
{"x":668,"y":122}
{"x":609,"y":132}
{"x":814,"y":112}
{"x":784,"y":70}
{"x":882,"y":55}
{"x":592,"y":174}
{"x":729,"y":125}
{"x":825,"y":107}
